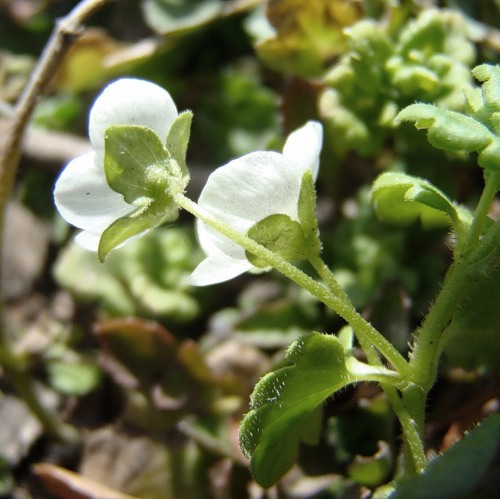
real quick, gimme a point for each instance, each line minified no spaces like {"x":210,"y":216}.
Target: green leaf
{"x":171,"y":17}
{"x":307,"y":34}
{"x":282,"y":235}
{"x":448,"y":130}
{"x":73,"y":378}
{"x":371,"y":471}
{"x":489,"y":76}
{"x":149,"y":216}
{"x":458,"y":472}
{"x":148,"y":276}
{"x":401,"y":199}
{"x":271,"y":432}
{"x":472,"y":337}
{"x":135,"y":163}
{"x":178,"y":140}
{"x":307,"y":213}
{"x":316,"y":366}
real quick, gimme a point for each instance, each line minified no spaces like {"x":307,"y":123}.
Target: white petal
{"x":214,"y":243}
{"x":218,"y":268}
{"x":251,"y":188}
{"x":130,"y":101}
{"x":88,"y":240}
{"x":84,"y":199}
{"x":244,"y":192}
{"x":303,"y":147}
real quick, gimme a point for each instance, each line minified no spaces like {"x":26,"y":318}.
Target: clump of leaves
{"x":148,"y":275}
{"x":427,"y":60}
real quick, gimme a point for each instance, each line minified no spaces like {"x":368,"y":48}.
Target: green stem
{"x":431,"y":336}
{"x":64,"y":34}
{"x":339,"y":305}
{"x":415,"y":460}
{"x":492,"y":181}
{"x":367,"y":335}
{"x":429,"y":342}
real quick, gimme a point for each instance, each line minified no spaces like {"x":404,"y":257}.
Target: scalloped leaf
{"x":282,"y":400}
{"x":316,"y":366}
{"x":456,"y":132}
{"x":489,"y":76}
{"x":448,"y":130}
{"x":401,"y":199}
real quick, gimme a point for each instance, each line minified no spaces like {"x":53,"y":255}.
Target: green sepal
{"x":138,"y":166}
{"x":150,"y":215}
{"x":307,"y":214}
{"x":477,"y":132}
{"x":489,"y":76}
{"x":401,"y":199}
{"x":136,"y":163}
{"x":290,"y":239}
{"x":178,"y":140}
{"x":284,"y":236}
{"x":316,"y":366}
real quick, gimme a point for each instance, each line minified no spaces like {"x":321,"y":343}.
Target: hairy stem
{"x":65,"y":32}
{"x":492,"y":182}
{"x":415,"y":460}
{"x":338,"y":304}
{"x":431,"y":336}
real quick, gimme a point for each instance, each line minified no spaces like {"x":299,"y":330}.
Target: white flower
{"x":82,"y":194}
{"x":247,"y":190}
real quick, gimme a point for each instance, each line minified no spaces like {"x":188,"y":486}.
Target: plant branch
{"x":415,"y":460}
{"x":344,"y":309}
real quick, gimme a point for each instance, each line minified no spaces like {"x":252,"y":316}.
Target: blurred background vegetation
{"x":156,"y":375}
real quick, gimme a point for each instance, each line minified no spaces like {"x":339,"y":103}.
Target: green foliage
{"x":57,"y":112}
{"x":428,"y":59}
{"x":315,"y":367}
{"x":477,"y":131}
{"x":472,"y":338}
{"x":148,"y":275}
{"x":400,"y":199}
{"x":370,"y":259}
{"x":73,"y":378}
{"x":173,"y":17}
{"x":458,"y":472}
{"x":269,"y":316}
